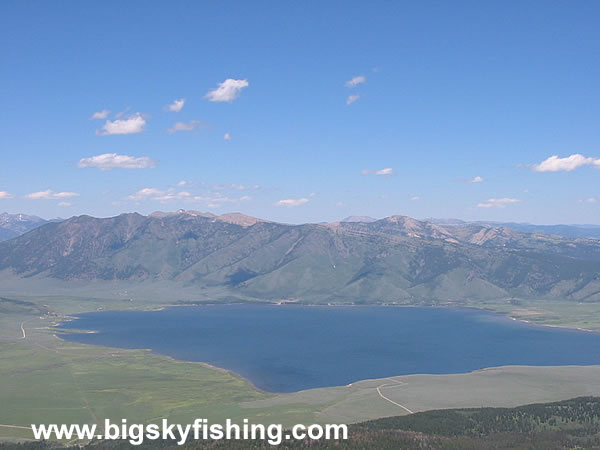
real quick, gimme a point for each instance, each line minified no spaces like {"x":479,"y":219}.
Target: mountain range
{"x":395,"y":259}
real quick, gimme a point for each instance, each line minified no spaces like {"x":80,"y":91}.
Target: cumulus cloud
{"x":109,"y":161}
{"x":352,"y":98}
{"x":176,"y":106}
{"x":65,"y":204}
{"x":556,"y":164}
{"x":498,"y":202}
{"x":4,"y":194}
{"x":100,"y":115}
{"x":183,"y":183}
{"x":387,"y":171}
{"x":49,"y":194}
{"x":291,"y":202}
{"x":227,"y":137}
{"x":227,"y":91}
{"x":477,"y":179}
{"x":132,"y":125}
{"x":356,"y":81}
{"x":182,"y":126}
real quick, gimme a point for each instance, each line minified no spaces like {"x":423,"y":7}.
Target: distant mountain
{"x":396,"y":259}
{"x":571,"y":231}
{"x":365,"y":219}
{"x":236,"y":217}
{"x":13,"y":225}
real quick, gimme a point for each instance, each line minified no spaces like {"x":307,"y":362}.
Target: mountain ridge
{"x":395,"y":259}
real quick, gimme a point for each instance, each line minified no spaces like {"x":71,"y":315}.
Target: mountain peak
{"x":188,"y":212}
{"x":239,"y":219}
{"x":12,"y":225}
{"x":365,"y":219}
{"x":236,"y":218}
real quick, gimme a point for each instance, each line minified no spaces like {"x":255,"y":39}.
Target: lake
{"x":290,"y":348}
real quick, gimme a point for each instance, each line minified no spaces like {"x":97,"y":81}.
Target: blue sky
{"x":454,"y":111}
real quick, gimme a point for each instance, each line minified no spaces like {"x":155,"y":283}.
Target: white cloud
{"x":498,"y":202}
{"x":65,"y":204}
{"x":352,"y":98}
{"x":556,"y":164}
{"x":214,"y":200}
{"x":172,"y":196}
{"x":227,"y":137}
{"x":4,"y":194}
{"x":49,"y":194}
{"x":242,"y":187}
{"x":146,"y":193}
{"x":387,"y":171}
{"x":176,"y":106}
{"x":211,"y":198}
{"x":588,"y":200}
{"x":227,"y":91}
{"x":183,"y":183}
{"x":132,"y":125}
{"x":182,"y":126}
{"x":356,"y":81}
{"x":477,"y":179}
{"x":235,"y":187}
{"x":100,"y":114}
{"x":415,"y":198}
{"x":108,"y":161}
{"x":291,"y":202}
{"x":159,"y":195}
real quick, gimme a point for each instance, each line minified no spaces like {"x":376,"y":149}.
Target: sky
{"x":302,"y":111}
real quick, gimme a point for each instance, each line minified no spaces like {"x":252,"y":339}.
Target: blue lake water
{"x":290,"y":348}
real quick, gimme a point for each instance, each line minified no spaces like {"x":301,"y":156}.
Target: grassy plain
{"x":44,"y":379}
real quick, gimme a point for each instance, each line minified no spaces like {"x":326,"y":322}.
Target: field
{"x":48,"y":380}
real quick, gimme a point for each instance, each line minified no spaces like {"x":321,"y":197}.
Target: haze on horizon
{"x":478,"y":112}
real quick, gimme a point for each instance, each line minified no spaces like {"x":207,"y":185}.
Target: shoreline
{"x":563,"y":327}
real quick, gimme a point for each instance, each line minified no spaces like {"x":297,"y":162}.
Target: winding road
{"x":397,"y":383}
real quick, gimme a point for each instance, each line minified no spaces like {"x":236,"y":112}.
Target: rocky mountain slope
{"x":396,"y":259}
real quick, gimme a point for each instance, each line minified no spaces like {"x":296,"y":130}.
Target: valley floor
{"x":48,"y":380}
